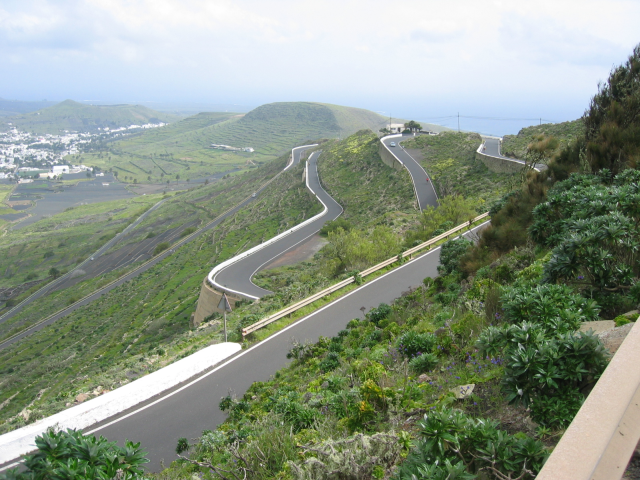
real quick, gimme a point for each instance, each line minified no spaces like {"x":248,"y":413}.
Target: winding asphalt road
{"x":492,"y":148}
{"x":424,"y":189}
{"x":236,"y":277}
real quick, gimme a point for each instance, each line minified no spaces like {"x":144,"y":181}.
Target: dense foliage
{"x":70,"y":455}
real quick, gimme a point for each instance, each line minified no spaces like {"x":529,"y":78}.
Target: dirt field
{"x":302,"y":252}
{"x":51,"y":199}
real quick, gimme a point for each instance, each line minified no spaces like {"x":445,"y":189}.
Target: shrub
{"x":423,"y":363}
{"x":333,"y":225}
{"x":540,"y":365}
{"x":412,"y":343}
{"x":161,"y":247}
{"x":450,"y":254}
{"x":447,"y":435}
{"x":555,"y":306}
{"x":376,"y":315}
{"x":330,"y":362}
{"x":73,"y":455}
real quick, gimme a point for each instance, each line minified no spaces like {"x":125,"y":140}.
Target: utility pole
{"x":458,"y":122}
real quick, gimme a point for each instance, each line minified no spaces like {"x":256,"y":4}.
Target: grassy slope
{"x":184,"y":148}
{"x":354,"y":174}
{"x":115,"y":338}
{"x":516,"y":145}
{"x":450,"y":160}
{"x":71,"y":236}
{"x":74,"y":116}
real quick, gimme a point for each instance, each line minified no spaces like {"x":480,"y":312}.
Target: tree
{"x":88,"y":174}
{"x":54,"y":272}
{"x":413,"y":126}
{"x":384,"y":131}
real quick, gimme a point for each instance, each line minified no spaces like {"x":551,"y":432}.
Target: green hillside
{"x":74,"y":116}
{"x":184,"y":148}
{"x":516,"y":145}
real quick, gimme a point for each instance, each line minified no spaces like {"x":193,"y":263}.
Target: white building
{"x":60,"y":169}
{"x":395,"y":127}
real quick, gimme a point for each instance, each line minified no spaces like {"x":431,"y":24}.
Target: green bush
{"x":539,"y":366}
{"x":161,"y":247}
{"x":376,"y":315}
{"x":447,"y":435}
{"x":554,"y":306}
{"x":330,"y":362}
{"x":423,"y":363}
{"x":333,"y":225}
{"x":450,"y":254}
{"x":73,"y":455}
{"x":412,"y":344}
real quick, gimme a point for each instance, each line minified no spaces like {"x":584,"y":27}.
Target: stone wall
{"x":208,"y":302}
{"x":388,"y":158}
{"x":499,"y":165}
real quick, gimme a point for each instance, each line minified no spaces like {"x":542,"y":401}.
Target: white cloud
{"x":450,"y":52}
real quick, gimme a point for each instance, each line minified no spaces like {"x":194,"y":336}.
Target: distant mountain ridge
{"x":74,"y":116}
{"x":16,"y":107}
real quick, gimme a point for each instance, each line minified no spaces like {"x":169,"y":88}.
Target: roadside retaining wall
{"x":208,"y":302}
{"x":499,"y":165}
{"x":388,"y":158}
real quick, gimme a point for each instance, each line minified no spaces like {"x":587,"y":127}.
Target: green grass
{"x":74,"y":116}
{"x":450,"y":160}
{"x":516,"y":145}
{"x":183,"y":148}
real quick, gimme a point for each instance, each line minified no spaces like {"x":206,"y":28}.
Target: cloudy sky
{"x":422,"y":59}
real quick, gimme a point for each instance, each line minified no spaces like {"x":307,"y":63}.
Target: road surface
{"x":424,"y":189}
{"x":237,"y":276}
{"x":492,"y":148}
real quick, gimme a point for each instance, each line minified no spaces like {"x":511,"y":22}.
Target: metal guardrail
{"x":600,"y":441}
{"x":317,"y":296}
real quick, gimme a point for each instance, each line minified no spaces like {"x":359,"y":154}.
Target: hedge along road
{"x":236,"y":277}
{"x":424,"y":189}
{"x":296,"y":154}
{"x":188,"y":409}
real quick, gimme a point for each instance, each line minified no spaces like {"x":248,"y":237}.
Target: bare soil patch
{"x":304,"y":251}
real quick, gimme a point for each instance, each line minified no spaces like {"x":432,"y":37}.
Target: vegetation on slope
{"x":74,"y":116}
{"x":355,"y":176}
{"x":376,"y":400}
{"x":66,"y":239}
{"x":143,"y":324}
{"x":450,"y":160}
{"x":184,"y":148}
{"x":515,"y":146}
